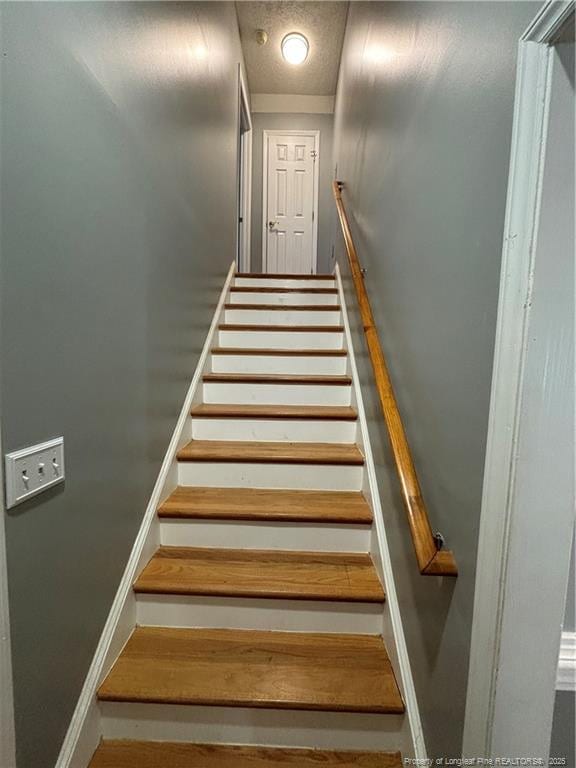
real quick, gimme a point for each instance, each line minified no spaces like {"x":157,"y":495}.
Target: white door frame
{"x":500,"y":586}
{"x":265,"y":134}
{"x":7,"y":730}
{"x":7,"y":725}
{"x":243,"y":250}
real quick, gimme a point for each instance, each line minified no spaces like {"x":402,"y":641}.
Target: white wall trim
{"x":393,"y":629}
{"x":7,"y":731}
{"x":245,"y":173}
{"x":265,"y":134}
{"x":520,"y":232}
{"x":290,"y":103}
{"x":244,"y":96}
{"x":566,"y":676}
{"x":247,"y":207}
{"x":548,"y":22}
{"x":84,"y":731}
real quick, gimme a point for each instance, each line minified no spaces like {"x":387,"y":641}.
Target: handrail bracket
{"x":440,"y":541}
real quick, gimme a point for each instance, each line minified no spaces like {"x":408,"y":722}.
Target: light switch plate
{"x":32,"y":470}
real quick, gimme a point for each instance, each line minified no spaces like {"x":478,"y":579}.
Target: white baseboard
{"x":566,"y":675}
{"x":85,"y":731}
{"x":392,"y":629}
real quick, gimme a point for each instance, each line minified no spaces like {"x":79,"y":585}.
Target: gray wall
{"x":563,"y":728}
{"x":324,"y":123}
{"x":422,"y":138}
{"x":118,"y":154}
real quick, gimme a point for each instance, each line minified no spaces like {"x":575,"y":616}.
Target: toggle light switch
{"x":33,"y":470}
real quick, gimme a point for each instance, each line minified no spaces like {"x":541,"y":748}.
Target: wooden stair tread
{"x":347,"y":577}
{"x":250,"y":668}
{"x":279,"y":352}
{"x":284,"y":276}
{"x":273,"y":289}
{"x":162,"y":754}
{"x":278,"y":378}
{"x":271,"y":453}
{"x":276,"y":328}
{"x":263,"y":504}
{"x":319,"y":412}
{"x":287,"y":307}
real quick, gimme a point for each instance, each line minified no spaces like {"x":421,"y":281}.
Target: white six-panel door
{"x":290,"y":201}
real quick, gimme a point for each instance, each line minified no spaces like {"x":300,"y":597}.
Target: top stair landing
{"x":291,"y":281}
{"x":280,"y":312}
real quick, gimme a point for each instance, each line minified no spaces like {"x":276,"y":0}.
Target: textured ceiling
{"x":323,"y":24}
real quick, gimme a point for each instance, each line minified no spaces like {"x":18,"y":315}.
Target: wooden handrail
{"x":432,"y":560}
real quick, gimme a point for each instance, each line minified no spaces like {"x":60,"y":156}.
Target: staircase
{"x":259,"y":617}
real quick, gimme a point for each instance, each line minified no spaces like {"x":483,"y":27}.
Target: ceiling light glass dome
{"x":295,"y":48}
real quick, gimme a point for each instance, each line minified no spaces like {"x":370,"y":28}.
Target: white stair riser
{"x":276,"y":394}
{"x":276,"y":430}
{"x":283,"y":316}
{"x":281,"y":339}
{"x":308,"y":477}
{"x":243,"y":725}
{"x":254,"y":613}
{"x":321,"y":366}
{"x":265,"y":534}
{"x":283,"y":299}
{"x":276,"y":282}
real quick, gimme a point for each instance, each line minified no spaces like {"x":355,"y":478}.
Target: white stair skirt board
{"x":335,"y":365}
{"x":236,"y":393}
{"x":279,"y":339}
{"x":243,"y":725}
{"x":247,"y":534}
{"x":309,"y":477}
{"x":411,"y":742}
{"x":283,"y":316}
{"x":85,"y":729}
{"x":276,"y":282}
{"x":257,"y":613}
{"x":275,"y":430}
{"x":283,"y":299}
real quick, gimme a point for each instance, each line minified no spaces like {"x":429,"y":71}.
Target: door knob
{"x":271,"y":225}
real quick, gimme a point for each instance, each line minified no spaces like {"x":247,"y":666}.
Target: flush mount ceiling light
{"x":295,"y":48}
